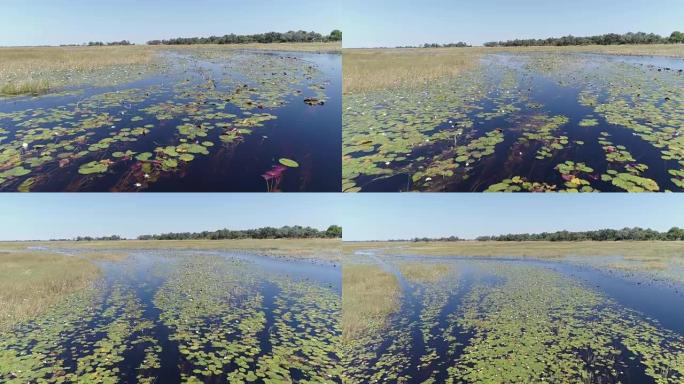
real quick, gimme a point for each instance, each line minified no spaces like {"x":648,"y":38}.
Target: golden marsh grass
{"x":39,"y":70}
{"x":31,"y":282}
{"x":416,"y":272}
{"x":378,"y":69}
{"x":329,"y":249}
{"x":386,"y":68}
{"x":36,"y":70}
{"x":369,"y":296}
{"x":533,"y":249}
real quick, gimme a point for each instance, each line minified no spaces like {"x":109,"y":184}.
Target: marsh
{"x":545,"y":317}
{"x":514,"y":119}
{"x":174,"y":313}
{"x":199,"y":118}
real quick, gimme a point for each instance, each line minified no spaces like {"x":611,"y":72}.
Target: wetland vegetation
{"x":479,"y":312}
{"x":161,"y":313}
{"x":250,"y":117}
{"x":537,"y":119}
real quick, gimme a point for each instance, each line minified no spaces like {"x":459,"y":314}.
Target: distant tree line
{"x":287,"y":232}
{"x":103,"y":238}
{"x":425,"y":239}
{"x":607,"y":39}
{"x":634,"y":234}
{"x":460,"y":44}
{"x":269,"y":37}
{"x":101,"y":44}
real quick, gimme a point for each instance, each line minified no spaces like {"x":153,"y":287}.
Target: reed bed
{"x":416,"y":272}
{"x":369,"y":296}
{"x":379,"y":69}
{"x":32,"y":282}
{"x":327,"y":249}
{"x":533,"y":249}
{"x":387,"y":68}
{"x":39,"y":70}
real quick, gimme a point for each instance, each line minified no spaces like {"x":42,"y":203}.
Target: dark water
{"x":145,"y":273}
{"x":549,"y":94}
{"x":310,"y":135}
{"x":653,"y":302}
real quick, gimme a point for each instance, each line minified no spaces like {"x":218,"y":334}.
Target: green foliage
{"x":607,"y":39}
{"x":625,"y":234}
{"x":334,"y":231}
{"x":286,"y":232}
{"x":335,"y":35}
{"x":264,"y":38}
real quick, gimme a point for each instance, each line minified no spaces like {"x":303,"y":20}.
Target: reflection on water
{"x":524,"y":122}
{"x":209,"y":121}
{"x":519,"y":320}
{"x":165,"y":316}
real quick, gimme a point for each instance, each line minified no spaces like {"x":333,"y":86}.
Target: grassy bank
{"x":327,"y":249}
{"x":32,"y":282}
{"x":41,"y":70}
{"x":380,"y":69}
{"x":424,"y":272}
{"x":534,"y":249}
{"x":369,"y":296}
{"x":670,"y":50}
{"x":38,"y":70}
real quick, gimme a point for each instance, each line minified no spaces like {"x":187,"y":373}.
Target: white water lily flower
{"x":24,"y":145}
{"x":146,"y":176}
{"x":138,"y":185}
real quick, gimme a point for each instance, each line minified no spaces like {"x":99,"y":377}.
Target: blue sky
{"x":55,"y":215}
{"x":393,"y":216}
{"x":374,"y":23}
{"x":54,"y":22}
{"x":363,"y":216}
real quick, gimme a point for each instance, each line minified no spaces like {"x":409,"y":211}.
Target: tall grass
{"x":535,"y":249}
{"x":30,"y":87}
{"x":31,"y":282}
{"x":379,"y":69}
{"x":424,"y":272}
{"x":369,"y":296}
{"x":35,"y":70}
{"x":329,"y":249}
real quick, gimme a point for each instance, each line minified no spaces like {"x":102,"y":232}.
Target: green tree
{"x":334,"y":231}
{"x":335,"y":35}
{"x":677,"y":37}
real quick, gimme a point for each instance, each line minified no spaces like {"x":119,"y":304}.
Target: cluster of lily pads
{"x":540,"y":326}
{"x":230,"y":322}
{"x":180,"y":318}
{"x":505,"y":322}
{"x":433,"y":134}
{"x":411,"y":346}
{"x":88,"y":337}
{"x":129,"y":138}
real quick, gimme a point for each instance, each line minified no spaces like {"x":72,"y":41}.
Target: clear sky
{"x":39,"y":216}
{"x":404,"y":216}
{"x":54,"y":22}
{"x":375,"y":23}
{"x":362,"y":216}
